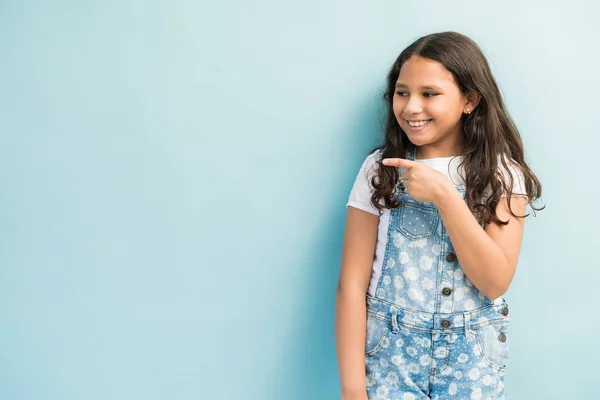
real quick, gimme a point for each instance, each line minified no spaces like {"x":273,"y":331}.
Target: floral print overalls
{"x":431,"y":334}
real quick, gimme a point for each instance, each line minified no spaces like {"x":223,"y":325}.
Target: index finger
{"x":398,"y":162}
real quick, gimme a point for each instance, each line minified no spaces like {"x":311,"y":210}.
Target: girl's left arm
{"x":487,"y":256}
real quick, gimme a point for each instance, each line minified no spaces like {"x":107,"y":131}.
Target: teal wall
{"x":173,"y":179}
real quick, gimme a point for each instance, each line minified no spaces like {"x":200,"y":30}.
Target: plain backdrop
{"x":173,"y":181}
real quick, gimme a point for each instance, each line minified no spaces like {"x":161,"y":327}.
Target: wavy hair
{"x":488,"y":131}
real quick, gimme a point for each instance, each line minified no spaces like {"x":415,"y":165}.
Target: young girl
{"x":433,"y":234}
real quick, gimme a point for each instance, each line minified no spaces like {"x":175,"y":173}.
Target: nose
{"x":413,"y":106}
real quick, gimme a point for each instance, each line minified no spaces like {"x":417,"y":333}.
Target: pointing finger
{"x":398,"y":162}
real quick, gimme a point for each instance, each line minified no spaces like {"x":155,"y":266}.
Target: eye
{"x":402,"y":94}
{"x":429,"y":94}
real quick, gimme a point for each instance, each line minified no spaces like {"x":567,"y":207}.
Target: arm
{"x":360,"y":238}
{"x":488,"y":257}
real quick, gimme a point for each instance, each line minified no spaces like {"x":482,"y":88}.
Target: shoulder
{"x":510,"y":169}
{"x":362,"y":190}
{"x":507,"y":164}
{"x":369,"y":165}
{"x":372,"y":159}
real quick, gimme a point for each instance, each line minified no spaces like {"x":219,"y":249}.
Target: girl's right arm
{"x":360,"y":238}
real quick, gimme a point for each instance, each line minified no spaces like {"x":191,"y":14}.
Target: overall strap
{"x":411,"y":152}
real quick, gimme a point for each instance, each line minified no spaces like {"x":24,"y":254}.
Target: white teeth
{"x":418,"y":123}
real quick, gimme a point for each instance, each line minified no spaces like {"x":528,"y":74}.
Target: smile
{"x":418,"y":123}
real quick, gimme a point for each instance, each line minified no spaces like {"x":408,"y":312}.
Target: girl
{"x":433,"y":234}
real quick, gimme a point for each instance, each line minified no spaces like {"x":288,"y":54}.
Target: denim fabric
{"x":431,"y":334}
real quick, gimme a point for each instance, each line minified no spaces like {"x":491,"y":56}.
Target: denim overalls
{"x":431,"y":334}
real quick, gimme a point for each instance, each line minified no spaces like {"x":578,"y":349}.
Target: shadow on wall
{"x":311,"y":347}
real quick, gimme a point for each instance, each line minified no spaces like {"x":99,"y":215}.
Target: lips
{"x":418,"y":123}
{"x":417,"y":126}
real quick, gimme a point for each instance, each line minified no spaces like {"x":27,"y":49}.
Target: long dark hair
{"x":488,"y":131}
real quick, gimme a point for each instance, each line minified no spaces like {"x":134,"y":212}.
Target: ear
{"x":472,"y":101}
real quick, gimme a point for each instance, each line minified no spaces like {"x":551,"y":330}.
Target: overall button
{"x":502,"y":337}
{"x":451,"y":257}
{"x":504,"y":311}
{"x":446,"y":291}
{"x":446,"y":323}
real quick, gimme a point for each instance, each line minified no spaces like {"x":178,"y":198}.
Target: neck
{"x":424,"y":152}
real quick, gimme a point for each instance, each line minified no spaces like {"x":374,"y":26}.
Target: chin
{"x":419,"y":140}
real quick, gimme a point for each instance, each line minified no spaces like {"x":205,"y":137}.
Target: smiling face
{"x":428,"y":106}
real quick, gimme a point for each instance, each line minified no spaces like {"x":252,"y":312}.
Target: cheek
{"x":398,"y":105}
{"x":444,"y":113}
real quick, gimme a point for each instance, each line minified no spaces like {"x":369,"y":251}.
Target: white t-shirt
{"x":360,"y":196}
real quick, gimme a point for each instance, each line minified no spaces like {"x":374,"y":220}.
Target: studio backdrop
{"x":173,"y":181}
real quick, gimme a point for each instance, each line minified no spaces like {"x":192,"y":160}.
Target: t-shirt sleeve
{"x":360,"y":195}
{"x":518,"y":187}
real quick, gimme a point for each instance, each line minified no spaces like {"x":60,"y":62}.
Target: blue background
{"x":173,"y":181}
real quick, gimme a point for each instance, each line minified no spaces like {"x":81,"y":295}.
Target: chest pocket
{"x":417,"y":220}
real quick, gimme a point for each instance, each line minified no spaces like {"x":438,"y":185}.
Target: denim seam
{"x":378,"y":316}
{"x":415,"y":328}
{"x":447,"y":356}
{"x":496,"y":321}
{"x":471,"y":312}
{"x":484,"y":356}
{"x":410,"y":236}
{"x":432,"y":369}
{"x":440,"y":269}
{"x":380,"y":344}
{"x":386,"y":254}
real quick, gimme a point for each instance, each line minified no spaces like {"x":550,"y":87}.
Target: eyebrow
{"x":432,"y":87}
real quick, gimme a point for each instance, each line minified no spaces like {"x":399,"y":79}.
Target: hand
{"x":422,"y":182}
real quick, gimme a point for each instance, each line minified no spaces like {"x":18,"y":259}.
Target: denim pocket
{"x":417,"y":220}
{"x":493,"y":342}
{"x":377,"y":334}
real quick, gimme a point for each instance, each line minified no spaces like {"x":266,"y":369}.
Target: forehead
{"x":419,"y":71}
